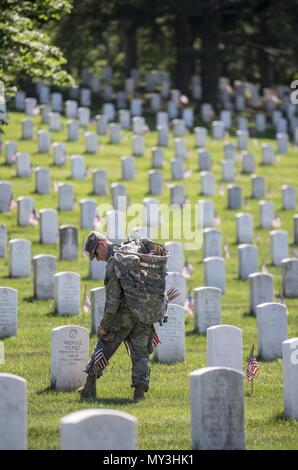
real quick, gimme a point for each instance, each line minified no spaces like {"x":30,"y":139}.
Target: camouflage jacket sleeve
{"x":113,"y":294}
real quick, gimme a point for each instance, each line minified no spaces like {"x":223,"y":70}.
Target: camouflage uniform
{"x":121,"y":326}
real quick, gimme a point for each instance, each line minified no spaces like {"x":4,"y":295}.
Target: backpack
{"x":142,"y":277}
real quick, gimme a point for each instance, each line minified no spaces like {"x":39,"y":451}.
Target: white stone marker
{"x":261,"y":289}
{"x":25,"y":209}
{"x":244,"y":231}
{"x":5,"y":196}
{"x":125,"y":119}
{"x":260,"y":122}
{"x":66,"y":197}
{"x":177,"y":169}
{"x":115,"y":226}
{"x":151,"y":214}
{"x":23,"y":165}
{"x":155,"y":182}
{"x":72,"y":130}
{"x":200,"y":136}
{"x":57,"y":102}
{"x":247,"y":260}
{"x":279,"y":246}
{"x":119,"y":201}
{"x":87,"y":213}
{"x":59,"y":153}
{"x":78,"y":167}
{"x":248,"y":163}
{"x":290,"y":377}
{"x":266,"y":214}
{"x":10,"y":152}
{"x":180,"y":148}
{"x":204,"y":160}
{"x":128,"y":168}
{"x":69,"y":356}
{"x":229,"y":151}
{"x":30,"y":105}
{"x":136,"y":107}
{"x":177,"y":195}
{"x":45,"y":110}
{"x":205,"y":213}
{"x":234,"y":196}
{"x":218,"y":130}
{"x":207,"y":307}
{"x":138,"y":125}
{"x":8,"y":313}
{"x":227,"y":170}
{"x":163,"y":136}
{"x":20,"y":258}
{"x":48,"y":226}
{"x":27,"y":129}
{"x":90,"y":142}
{"x":44,"y":141}
{"x":288,"y":197}
{"x":98,"y":300}
{"x":98,"y":429}
{"x":215,"y":272}
{"x":257,"y":187}
{"x":178,"y":281}
{"x":242,"y":139}
{"x":67,"y":293}
{"x":176,"y":256}
{"x":3,"y":241}
{"x":290,"y":277}
{"x":217,"y":409}
{"x":207,"y":183}
{"x":97,"y":269}
{"x":212,"y":242}
{"x":20,"y":100}
{"x":102,"y":121}
{"x":44,"y":269}
{"x":272,"y":326}
{"x":188,"y":117}
{"x":138,"y":145}
{"x":178,"y":127}
{"x":68,"y":242}
{"x":71,"y":109}
{"x":85,"y":97}
{"x":172,"y":336}
{"x":13,"y":412}
{"x":282,"y":142}
{"x":55,"y":122}
{"x":115,"y":133}
{"x":99,"y":182}
{"x":42,"y":180}
{"x":224,"y":347}
{"x":162,"y":119}
{"x":267,"y":154}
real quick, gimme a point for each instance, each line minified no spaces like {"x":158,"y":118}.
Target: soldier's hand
{"x":101,"y":330}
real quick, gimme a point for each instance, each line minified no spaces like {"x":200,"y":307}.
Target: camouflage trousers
{"x":138,"y":339}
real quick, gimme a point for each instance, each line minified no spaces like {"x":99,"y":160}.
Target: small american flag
{"x":87,"y":303}
{"x":216,"y":220}
{"x":187,"y":270}
{"x":96,"y":220}
{"x":276,"y":222}
{"x":34,"y":218}
{"x":252,"y":366}
{"x":55,"y":186}
{"x":13,"y":203}
{"x":221,"y":190}
{"x":189,"y":304}
{"x":155,"y":339}
{"x":98,"y":360}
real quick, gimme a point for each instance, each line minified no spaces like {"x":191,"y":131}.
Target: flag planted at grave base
{"x":252,"y":366}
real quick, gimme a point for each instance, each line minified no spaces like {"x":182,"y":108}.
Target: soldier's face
{"x":102,"y":252}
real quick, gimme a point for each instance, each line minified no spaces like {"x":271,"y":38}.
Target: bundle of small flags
{"x":98,"y":360}
{"x":189,"y":304}
{"x":86,"y":303}
{"x":187,"y":271}
{"x":252,"y":366}
{"x":34,"y":218}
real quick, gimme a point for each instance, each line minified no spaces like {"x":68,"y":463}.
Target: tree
{"x":25,"y":46}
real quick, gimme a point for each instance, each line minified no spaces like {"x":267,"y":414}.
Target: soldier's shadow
{"x":109,"y":401}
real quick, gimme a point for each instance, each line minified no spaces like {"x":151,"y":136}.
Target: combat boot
{"x":139,"y":392}
{"x":88,"y":390}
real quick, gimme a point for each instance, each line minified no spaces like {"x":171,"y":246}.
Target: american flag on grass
{"x":189,"y":304}
{"x":252,"y":366}
{"x":13,"y":203}
{"x":34,"y":218}
{"x":187,"y":271}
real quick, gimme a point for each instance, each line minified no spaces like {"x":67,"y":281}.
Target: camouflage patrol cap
{"x":91,"y":243}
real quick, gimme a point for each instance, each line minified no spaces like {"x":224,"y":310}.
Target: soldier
{"x":117,"y":325}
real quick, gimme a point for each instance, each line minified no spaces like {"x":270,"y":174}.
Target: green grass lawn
{"x":164,"y":417}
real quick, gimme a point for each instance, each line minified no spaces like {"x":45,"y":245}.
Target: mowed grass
{"x":164,"y":417}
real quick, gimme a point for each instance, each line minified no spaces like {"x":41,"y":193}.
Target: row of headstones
{"x":213,"y":427}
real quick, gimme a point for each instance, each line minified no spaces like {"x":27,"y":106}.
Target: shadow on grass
{"x":248,"y":315}
{"x":108,"y":401}
{"x":194,"y":333}
{"x":280,"y":418}
{"x":30,"y":299}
